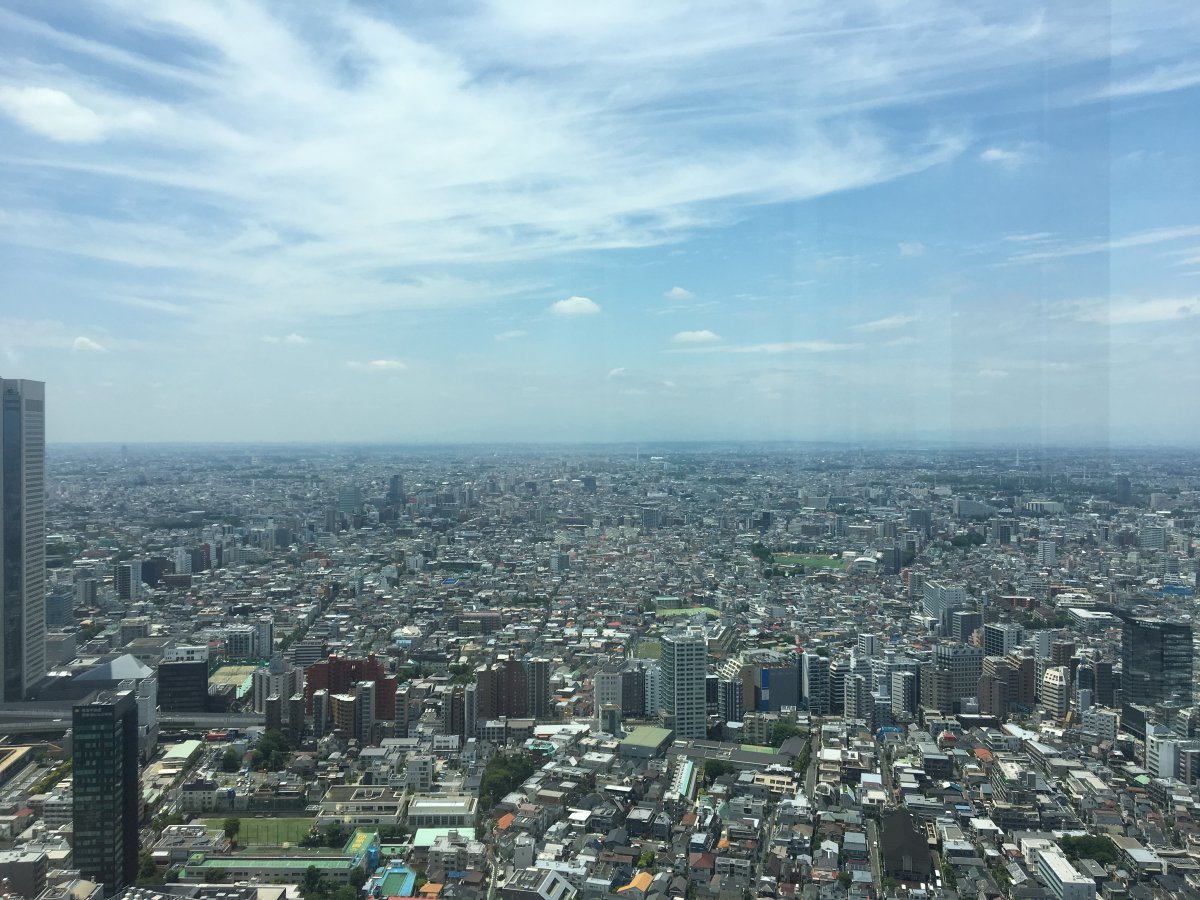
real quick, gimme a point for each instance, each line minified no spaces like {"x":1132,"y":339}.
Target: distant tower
{"x":107,"y":795}
{"x":22,"y":536}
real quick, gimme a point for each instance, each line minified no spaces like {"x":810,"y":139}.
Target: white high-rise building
{"x":684,"y":664}
{"x":22,"y":537}
{"x":1046,"y":553}
{"x":940,"y":596}
{"x":653,"y":693}
{"x":1055,"y":695}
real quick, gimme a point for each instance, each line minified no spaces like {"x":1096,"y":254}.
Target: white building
{"x":1061,"y":878}
{"x":684,"y":664}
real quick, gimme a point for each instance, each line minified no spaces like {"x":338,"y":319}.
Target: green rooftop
{"x":647,"y":736}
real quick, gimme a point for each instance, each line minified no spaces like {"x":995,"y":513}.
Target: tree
{"x":1089,"y":846}
{"x":646,"y":860}
{"x":147,"y":871}
{"x":715,"y":768}
{"x":844,"y":878}
{"x":231,"y":761}
{"x":233,"y":827}
{"x":272,"y":751}
{"x":216,"y":876}
{"x":312,"y":885}
{"x":782,"y":731}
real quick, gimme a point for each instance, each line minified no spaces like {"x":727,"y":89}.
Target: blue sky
{"x":624,"y":221}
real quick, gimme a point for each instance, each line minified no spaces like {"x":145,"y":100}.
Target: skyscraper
{"x":106,"y":792}
{"x":684,"y":664}
{"x":22,"y":536}
{"x":1157,"y":658}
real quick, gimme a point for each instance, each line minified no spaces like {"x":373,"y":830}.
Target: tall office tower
{"x":964,"y":623}
{"x":905,"y":694}
{"x":839,"y":669}
{"x":652,"y":672}
{"x":1055,"y":698}
{"x":349,"y":501}
{"x":633,"y":692}
{"x":320,"y":712}
{"x":1157,"y":659}
{"x":936,"y":690}
{"x":239,"y":642}
{"x":870,"y":644}
{"x":922,"y":520}
{"x":1001,"y":638}
{"x":1124,"y":489}
{"x":396,"y":490}
{"x":730,"y":705}
{"x":264,"y":640}
{"x":965,"y":664}
{"x":364,"y":712}
{"x":684,"y":663}
{"x":607,"y":689}
{"x":107,"y":795}
{"x":502,"y":689}
{"x":22,"y":536}
{"x":127,"y":580}
{"x":1102,"y":691}
{"x":939,"y":597}
{"x":814,"y":688}
{"x":1061,"y":652}
{"x":1047,"y":553}
{"x":858,"y":701}
{"x":538,"y":679}
{"x":916,"y":586}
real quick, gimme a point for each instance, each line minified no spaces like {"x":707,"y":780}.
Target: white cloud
{"x":695,"y":337}
{"x":678,"y":294}
{"x":773,"y":348}
{"x":1137,"y":312}
{"x":377,"y":365}
{"x":618,"y":372}
{"x":888,"y":323}
{"x":911,"y":248}
{"x":1160,"y":80}
{"x":512,"y":335}
{"x":575,"y":306}
{"x":86,"y":345}
{"x":1009,"y":158}
{"x":51,"y":113}
{"x":1138,"y":239}
{"x":293,"y":339}
{"x":994,"y":374}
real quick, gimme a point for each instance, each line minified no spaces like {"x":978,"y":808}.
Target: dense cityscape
{"x":713,"y":672}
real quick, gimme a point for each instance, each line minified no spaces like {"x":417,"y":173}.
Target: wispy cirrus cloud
{"x":772,"y":348}
{"x":292,"y":339}
{"x":1085,"y":248}
{"x":511,"y":335}
{"x":703,"y":336}
{"x":679,"y":295}
{"x":377,"y":365}
{"x":1130,"y":311}
{"x":888,"y":323}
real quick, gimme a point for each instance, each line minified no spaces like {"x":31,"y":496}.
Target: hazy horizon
{"x":530,"y":222}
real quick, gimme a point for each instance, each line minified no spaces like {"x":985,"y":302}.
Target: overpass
{"x":17,"y":718}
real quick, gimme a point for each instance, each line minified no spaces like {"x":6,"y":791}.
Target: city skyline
{"x":522,"y":222}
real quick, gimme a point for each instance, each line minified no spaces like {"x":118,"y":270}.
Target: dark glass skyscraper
{"x":1157,"y":658}
{"x":22,"y":537}
{"x":106,"y":789}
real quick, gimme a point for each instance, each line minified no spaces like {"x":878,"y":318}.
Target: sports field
{"x":807,"y":560}
{"x":648,"y":650}
{"x":689,"y":611}
{"x":271,"y":832}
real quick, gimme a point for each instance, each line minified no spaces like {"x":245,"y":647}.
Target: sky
{"x":534,"y":220}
